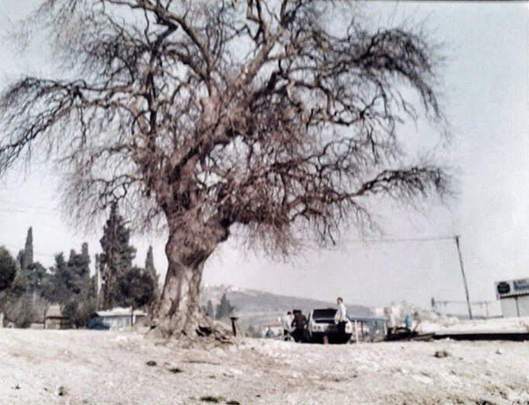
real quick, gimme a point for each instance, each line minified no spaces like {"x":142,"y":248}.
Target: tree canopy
{"x":71,"y":286}
{"x":136,"y":288}
{"x":251,"y":113}
{"x":8,"y":269}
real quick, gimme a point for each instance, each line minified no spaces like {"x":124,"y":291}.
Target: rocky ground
{"x":106,"y":368}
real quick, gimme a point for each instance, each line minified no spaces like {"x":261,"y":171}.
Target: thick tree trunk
{"x":179,"y":309}
{"x":179,"y":312}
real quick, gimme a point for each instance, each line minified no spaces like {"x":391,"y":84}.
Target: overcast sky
{"x":485,"y":95}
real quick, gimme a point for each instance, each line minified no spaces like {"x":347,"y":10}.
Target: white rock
{"x":218,"y":352}
{"x":422,"y":379}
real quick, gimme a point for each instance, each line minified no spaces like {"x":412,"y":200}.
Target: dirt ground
{"x":106,"y":368}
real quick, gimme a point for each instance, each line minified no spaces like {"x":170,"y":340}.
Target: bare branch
{"x":252,"y":114}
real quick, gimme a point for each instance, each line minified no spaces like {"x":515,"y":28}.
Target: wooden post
{"x":362,"y":329}
{"x":234,"y":325}
{"x":356,"y":332}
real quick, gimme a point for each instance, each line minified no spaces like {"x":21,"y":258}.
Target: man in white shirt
{"x":287,"y":324}
{"x":340,"y":319}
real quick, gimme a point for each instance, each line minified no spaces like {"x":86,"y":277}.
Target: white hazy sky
{"x":485,"y":95}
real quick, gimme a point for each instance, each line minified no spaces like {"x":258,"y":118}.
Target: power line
{"x":16,"y":249}
{"x":14,"y":204}
{"x":13,"y":208}
{"x":344,"y":241}
{"x":17,"y":206}
{"x":14,"y":211}
{"x":401,"y":240}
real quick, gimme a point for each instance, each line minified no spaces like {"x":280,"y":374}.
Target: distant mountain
{"x":258,"y":308}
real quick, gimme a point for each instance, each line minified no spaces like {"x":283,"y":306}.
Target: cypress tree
{"x":117,"y":255}
{"x":151,"y":270}
{"x":97,"y":276}
{"x":25,"y":256}
{"x":149,"y":262}
{"x":84,"y":262}
{"x":210,"y":311}
{"x":61,"y":280}
{"x":21,"y":259}
{"x":75,"y":270}
{"x":224,"y":309}
{"x":34,"y":273}
{"x":28,"y":249}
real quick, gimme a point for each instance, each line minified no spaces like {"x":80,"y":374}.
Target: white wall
{"x":515,"y":306}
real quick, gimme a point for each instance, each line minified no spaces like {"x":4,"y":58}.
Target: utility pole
{"x":464,"y":276}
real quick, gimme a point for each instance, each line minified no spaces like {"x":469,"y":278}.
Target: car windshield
{"x":324,"y":313}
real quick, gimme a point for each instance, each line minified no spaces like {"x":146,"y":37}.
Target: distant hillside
{"x":255,"y":307}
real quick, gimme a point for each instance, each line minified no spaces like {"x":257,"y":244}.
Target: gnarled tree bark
{"x":179,"y":311}
{"x":179,"y":307}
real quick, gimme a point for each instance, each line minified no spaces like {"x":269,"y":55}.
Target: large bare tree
{"x":215,"y":116}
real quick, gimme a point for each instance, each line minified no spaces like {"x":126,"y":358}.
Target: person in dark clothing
{"x":299,"y":324}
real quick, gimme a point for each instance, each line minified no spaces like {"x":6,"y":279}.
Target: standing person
{"x":392,"y":322}
{"x":340,"y":318}
{"x":287,"y":324}
{"x":407,"y":322}
{"x":269,"y":333}
{"x":299,"y":325}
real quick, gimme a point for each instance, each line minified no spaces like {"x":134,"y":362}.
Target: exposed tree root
{"x":218,"y":331}
{"x":205,"y":333}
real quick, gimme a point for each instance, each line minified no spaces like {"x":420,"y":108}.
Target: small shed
{"x":55,"y":319}
{"x":118,"y":318}
{"x":514,"y":297}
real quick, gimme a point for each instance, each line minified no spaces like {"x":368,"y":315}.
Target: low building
{"x":514,"y":297}
{"x":55,"y":319}
{"x":117,"y":318}
{"x":369,"y":328}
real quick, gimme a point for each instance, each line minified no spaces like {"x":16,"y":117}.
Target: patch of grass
{"x":233,"y":403}
{"x":151,"y":363}
{"x":176,"y":370}
{"x":210,"y":399}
